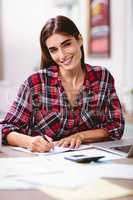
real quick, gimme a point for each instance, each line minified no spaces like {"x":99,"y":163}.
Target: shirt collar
{"x":90,"y":78}
{"x":52,"y":72}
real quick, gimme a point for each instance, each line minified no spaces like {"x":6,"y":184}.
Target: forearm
{"x":94,"y":135}
{"x":75,"y":140}
{"x":18,"y":139}
{"x":35,"y":144}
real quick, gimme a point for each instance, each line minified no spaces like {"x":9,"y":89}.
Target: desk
{"x":36,"y":194}
{"x":128,"y":118}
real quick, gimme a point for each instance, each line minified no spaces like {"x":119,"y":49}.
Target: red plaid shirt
{"x":42,"y":107}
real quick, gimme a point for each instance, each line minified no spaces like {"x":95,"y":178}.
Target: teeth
{"x":66,"y":62}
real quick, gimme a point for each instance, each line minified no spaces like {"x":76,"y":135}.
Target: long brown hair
{"x":59,"y":24}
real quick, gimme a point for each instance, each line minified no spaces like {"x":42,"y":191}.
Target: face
{"x":65,"y":50}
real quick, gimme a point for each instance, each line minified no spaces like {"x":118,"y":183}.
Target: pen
{"x":45,"y":138}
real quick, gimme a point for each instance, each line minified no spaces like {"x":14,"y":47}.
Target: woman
{"x":67,"y":102}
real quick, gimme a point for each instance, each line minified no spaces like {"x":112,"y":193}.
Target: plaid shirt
{"x":42,"y":107}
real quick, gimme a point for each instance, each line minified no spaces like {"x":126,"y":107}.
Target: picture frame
{"x":99,"y":28}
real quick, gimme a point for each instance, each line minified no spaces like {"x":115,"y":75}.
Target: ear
{"x":80,"y":39}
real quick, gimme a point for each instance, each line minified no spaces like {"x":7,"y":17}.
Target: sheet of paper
{"x":13,"y":184}
{"x":55,"y":171}
{"x":52,"y":151}
{"x":24,"y":166}
{"x":97,"y":190}
{"x":117,"y":171}
{"x":93,"y":151}
{"x":37,"y":171}
{"x":56,"y":150}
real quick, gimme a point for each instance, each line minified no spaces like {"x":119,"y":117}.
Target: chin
{"x":69,"y":67}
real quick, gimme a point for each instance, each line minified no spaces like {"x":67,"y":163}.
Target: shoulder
{"x":36,"y":82}
{"x":100,"y":73}
{"x":42,"y":76}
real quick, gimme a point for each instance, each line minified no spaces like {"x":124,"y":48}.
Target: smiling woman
{"x":65,"y":50}
{"x":67,"y":101}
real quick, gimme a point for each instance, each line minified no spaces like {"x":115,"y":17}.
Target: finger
{"x":65,"y":144}
{"x":41,"y":145}
{"x":50,"y":141}
{"x":47,"y":145}
{"x":46,"y":142}
{"x":55,"y":143}
{"x":40,"y":148}
{"x":51,"y":144}
{"x":39,"y":142}
{"x":78,"y":143}
{"x":59,"y":143}
{"x":72,"y":144}
{"x":35,"y":148}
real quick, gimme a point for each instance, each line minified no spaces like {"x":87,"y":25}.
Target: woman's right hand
{"x":39,"y":144}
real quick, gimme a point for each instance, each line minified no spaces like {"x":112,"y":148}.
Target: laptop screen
{"x":124,"y":149}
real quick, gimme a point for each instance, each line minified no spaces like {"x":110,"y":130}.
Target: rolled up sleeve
{"x":18,"y":116}
{"x":113,"y":120}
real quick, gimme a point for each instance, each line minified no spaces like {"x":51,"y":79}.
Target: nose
{"x":61,"y":54}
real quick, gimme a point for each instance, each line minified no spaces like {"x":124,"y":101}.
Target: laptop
{"x":122,"y":150}
{"x":0,"y":139}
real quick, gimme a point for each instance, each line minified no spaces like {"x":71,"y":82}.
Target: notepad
{"x":52,"y":151}
{"x":56,"y":150}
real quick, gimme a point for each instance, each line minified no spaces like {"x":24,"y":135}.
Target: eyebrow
{"x":62,"y":43}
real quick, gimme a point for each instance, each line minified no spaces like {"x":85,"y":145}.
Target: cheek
{"x":78,"y":52}
{"x":54,"y":57}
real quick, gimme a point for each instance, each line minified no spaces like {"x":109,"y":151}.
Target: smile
{"x":67,"y":61}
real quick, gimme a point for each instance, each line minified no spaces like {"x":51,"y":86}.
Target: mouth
{"x":67,"y":61}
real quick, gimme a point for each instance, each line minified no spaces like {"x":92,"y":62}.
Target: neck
{"x":71,"y":76}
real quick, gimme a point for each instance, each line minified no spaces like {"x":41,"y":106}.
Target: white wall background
{"x":116,"y":62}
{"x":23,"y":20}
{"x":1,"y":70}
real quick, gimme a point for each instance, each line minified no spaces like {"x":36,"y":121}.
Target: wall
{"x":22,"y":23}
{"x":1,"y":47}
{"x":128,"y":77}
{"x":116,"y":62}
{"x":23,"y":20}
{"x":121,"y":61}
{"x":129,"y":45}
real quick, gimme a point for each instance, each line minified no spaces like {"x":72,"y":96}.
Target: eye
{"x":52,"y":50}
{"x":67,"y":44}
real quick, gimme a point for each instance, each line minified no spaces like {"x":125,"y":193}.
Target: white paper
{"x":35,"y":172}
{"x":52,"y":151}
{"x":41,"y":171}
{"x":56,"y":150}
{"x":93,"y":151}
{"x":118,"y":171}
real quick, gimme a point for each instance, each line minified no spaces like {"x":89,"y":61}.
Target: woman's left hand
{"x":73,"y":141}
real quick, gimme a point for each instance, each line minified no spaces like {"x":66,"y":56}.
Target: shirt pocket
{"x":48,"y":123}
{"x":88,"y":118}
{"x":90,"y":100}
